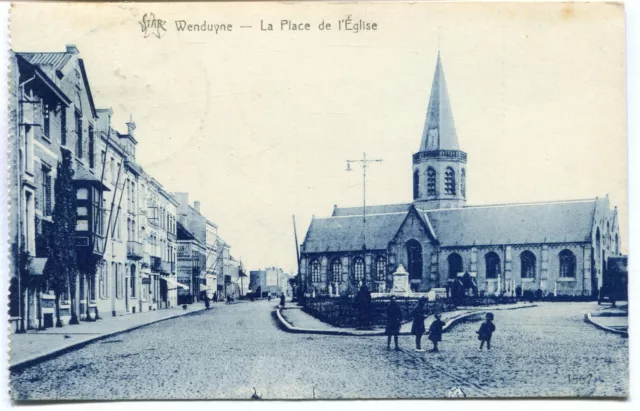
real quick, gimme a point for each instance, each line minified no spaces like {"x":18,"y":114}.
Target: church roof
{"x":551,"y":222}
{"x":376,"y":209}
{"x":344,"y":233}
{"x":439,"y":130}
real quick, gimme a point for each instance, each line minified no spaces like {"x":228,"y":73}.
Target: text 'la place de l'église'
{"x":346,"y":24}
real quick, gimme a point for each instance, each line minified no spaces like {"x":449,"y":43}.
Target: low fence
{"x":343,"y":311}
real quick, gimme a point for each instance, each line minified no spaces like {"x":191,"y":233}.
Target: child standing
{"x":435,"y":332}
{"x":486,"y":330}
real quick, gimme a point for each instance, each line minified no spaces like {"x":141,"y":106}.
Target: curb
{"x":286,"y":326}
{"x":18,"y":366}
{"x":589,"y":319}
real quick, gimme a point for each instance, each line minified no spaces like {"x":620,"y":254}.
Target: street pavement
{"x":225,"y":352}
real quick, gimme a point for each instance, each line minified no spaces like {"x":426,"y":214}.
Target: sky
{"x":258,"y":125}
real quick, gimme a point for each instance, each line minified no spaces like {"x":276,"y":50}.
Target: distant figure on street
{"x":394,"y":320}
{"x":269,"y":297}
{"x":435,"y":332}
{"x":205,"y":297}
{"x":282,"y":300}
{"x":486,"y":330}
{"x":417,"y":328}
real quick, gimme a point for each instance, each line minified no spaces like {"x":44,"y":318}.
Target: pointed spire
{"x":439,"y":130}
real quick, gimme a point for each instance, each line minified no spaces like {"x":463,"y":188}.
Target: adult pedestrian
{"x":435,"y":332}
{"x":417,"y":328}
{"x":394,"y":320}
{"x":215,"y":297}
{"x":282,"y":300}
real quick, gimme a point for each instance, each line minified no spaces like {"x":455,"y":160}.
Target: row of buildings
{"x":149,"y":249}
{"x":560,"y":247}
{"x":270,"y":281}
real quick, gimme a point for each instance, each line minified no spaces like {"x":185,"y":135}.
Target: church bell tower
{"x":439,"y":168}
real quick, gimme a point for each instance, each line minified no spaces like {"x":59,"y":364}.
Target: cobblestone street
{"x":224,"y":352}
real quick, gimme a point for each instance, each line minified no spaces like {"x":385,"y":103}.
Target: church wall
{"x":413,"y":228}
{"x":347,"y":283}
{"x":547,"y":267}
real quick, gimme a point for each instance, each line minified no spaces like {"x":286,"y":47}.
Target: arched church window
{"x":431,"y":182}
{"x":381,"y":268}
{"x":492,"y":264}
{"x":358,"y":269}
{"x":314,"y":268}
{"x":455,"y":264}
{"x":450,"y":181}
{"x":463,"y":183}
{"x":416,"y":184}
{"x":567,"y":263}
{"x":336,"y":270}
{"x":527,"y":264}
{"x":617,"y":249}
{"x":414,"y":259}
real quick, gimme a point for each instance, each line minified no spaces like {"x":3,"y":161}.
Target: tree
{"x":61,"y":267}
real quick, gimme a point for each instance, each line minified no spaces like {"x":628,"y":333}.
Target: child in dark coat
{"x":435,"y":332}
{"x":486,"y":330}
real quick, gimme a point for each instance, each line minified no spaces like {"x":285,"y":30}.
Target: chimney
{"x":72,"y":49}
{"x":131,"y":126}
{"x":196,"y":205}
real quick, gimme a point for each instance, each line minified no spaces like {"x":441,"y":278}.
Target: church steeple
{"x":439,"y":167}
{"x":439,"y":131}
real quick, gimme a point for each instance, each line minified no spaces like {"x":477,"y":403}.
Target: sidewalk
{"x":33,"y":346}
{"x":293,"y":319}
{"x":611,"y":319}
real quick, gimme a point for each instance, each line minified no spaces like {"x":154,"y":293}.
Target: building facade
{"x":126,"y":222}
{"x":555,"y":247}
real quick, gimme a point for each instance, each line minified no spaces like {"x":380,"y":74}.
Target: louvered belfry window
{"x":450,"y":181}
{"x":431,"y":182}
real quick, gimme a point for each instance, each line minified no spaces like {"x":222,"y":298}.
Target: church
{"x":559,"y":247}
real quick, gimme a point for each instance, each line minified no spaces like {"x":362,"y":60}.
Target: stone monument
{"x":400,"y":282}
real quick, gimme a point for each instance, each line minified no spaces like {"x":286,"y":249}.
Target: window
{"x":450,"y":181}
{"x":431,"y":182}
{"x":567,"y":263}
{"x":82,"y":194}
{"x":455,"y":264}
{"x":381,"y":269}
{"x":463,"y":183}
{"x":78,"y":135}
{"x":63,"y":126}
{"x":358,"y":269}
{"x":91,"y":146}
{"x":46,"y":191}
{"x":314,"y":269}
{"x":527,"y":265}
{"x":46,"y":121}
{"x":132,"y":280}
{"x":617,"y":249}
{"x":336,"y":270}
{"x":112,"y":168}
{"x":416,"y":184}
{"x":492,"y":264}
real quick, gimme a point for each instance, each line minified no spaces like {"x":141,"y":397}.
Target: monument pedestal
{"x":400,"y":282}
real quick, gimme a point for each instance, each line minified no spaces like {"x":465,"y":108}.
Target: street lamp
{"x":364,"y":163}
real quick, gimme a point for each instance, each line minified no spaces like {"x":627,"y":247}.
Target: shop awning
{"x":174,"y":282}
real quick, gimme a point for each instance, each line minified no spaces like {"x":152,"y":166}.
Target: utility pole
{"x":364,"y":163}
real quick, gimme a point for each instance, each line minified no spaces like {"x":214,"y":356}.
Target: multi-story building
{"x":191,"y":265}
{"x":126,"y":230}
